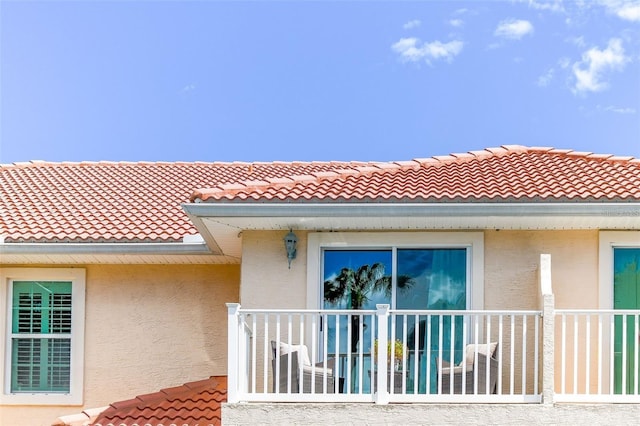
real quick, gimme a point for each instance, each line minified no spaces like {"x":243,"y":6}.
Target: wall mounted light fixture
{"x":290,"y":244}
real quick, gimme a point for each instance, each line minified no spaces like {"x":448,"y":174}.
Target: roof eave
{"x":106,"y":248}
{"x":470,"y":209}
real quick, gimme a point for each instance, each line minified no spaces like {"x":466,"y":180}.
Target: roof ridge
{"x":44,"y":163}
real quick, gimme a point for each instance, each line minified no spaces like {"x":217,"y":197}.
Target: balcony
{"x":537,"y":357}
{"x":439,"y":356}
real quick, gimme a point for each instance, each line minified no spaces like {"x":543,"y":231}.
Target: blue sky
{"x":263,"y":81}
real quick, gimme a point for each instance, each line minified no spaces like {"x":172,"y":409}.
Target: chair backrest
{"x":487,"y":349}
{"x":284,"y":366}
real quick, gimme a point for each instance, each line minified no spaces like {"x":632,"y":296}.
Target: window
{"x":44,"y":335}
{"x":409,"y":254}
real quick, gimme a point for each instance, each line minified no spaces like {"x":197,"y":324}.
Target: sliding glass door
{"x":407,"y":279}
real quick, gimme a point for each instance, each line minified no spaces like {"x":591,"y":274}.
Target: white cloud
{"x":576,"y":40}
{"x":553,"y":5}
{"x":589,"y":72}
{"x":456,"y":23}
{"x":513,"y":29}
{"x":415,"y":23}
{"x":411,"y":50}
{"x":545,"y":79}
{"x":628,"y":10}
{"x":564,"y":62}
{"x":188,"y":88}
{"x":618,"y":110}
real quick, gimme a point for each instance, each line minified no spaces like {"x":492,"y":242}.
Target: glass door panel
{"x":432,"y":279}
{"x":354,"y":279}
{"x":626,"y":291}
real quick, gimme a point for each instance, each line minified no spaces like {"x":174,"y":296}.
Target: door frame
{"x":608,"y":240}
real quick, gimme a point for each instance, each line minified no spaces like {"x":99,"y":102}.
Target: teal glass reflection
{"x":438,"y":280}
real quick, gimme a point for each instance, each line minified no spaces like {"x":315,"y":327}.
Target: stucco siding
{"x":511,"y":266}
{"x":147,"y":327}
{"x":266,"y":280}
{"x":429,"y":414}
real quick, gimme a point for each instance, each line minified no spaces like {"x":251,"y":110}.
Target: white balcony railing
{"x":598,"y":356}
{"x":331,"y":356}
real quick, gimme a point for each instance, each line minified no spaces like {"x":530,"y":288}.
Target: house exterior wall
{"x":266,"y":280}
{"x":511,"y":266}
{"x":147,"y":327}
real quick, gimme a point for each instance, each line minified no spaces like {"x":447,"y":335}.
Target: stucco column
{"x":547,"y":302}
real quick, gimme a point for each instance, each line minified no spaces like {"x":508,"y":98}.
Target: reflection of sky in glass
{"x":439,"y":278}
{"x":624,"y":257}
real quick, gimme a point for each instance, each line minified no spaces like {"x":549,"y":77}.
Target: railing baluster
{"x":265,"y":355}
{"x":440,"y":337}
{"x":600,"y":360}
{"x":452,"y":355}
{"x":278,"y":339}
{"x":635,"y":354}
{"x":373,"y":361}
{"x":624,"y":354}
{"x":289,"y":355}
{"x":500,"y":349}
{"x":575,"y":354}
{"x":611,"y":354}
{"x":524,"y":354}
{"x":563,"y":368}
{"x":512,"y":356}
{"x":416,"y":351}
{"x":587,"y":381}
{"x":488,"y":359}
{"x":360,"y":370}
{"x":464,"y":356}
{"x":476,"y":334}
{"x":254,"y":360}
{"x":404,"y":353}
{"x":392,"y":361}
{"x":536,"y":354}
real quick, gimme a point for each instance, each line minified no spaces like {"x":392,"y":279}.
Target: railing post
{"x":548,"y":329}
{"x":382,"y":316}
{"x":233,"y":356}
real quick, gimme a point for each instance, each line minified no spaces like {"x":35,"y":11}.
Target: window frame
{"x":77,"y":277}
{"x":318,"y":241}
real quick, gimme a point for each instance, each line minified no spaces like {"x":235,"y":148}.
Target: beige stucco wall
{"x":147,"y":327}
{"x":430,"y":414}
{"x":511,"y":268}
{"x":266,"y":280}
{"x":511,"y":262}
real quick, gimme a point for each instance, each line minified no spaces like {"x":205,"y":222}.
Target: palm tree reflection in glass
{"x":355,"y":287}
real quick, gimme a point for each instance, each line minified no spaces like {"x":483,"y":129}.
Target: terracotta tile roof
{"x":508,"y":173}
{"x":119,"y":202}
{"x":195,"y":403}
{"x":141,"y":202}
